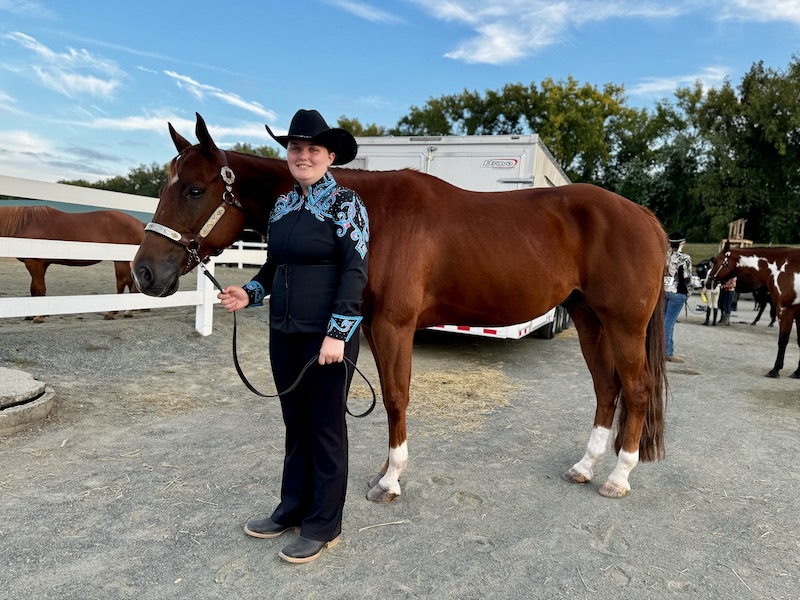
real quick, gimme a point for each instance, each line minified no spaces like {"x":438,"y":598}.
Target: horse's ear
{"x":181,"y":143}
{"x":727,"y":246}
{"x":201,"y":131}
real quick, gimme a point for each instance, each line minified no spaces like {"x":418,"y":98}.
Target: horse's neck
{"x":260,"y":181}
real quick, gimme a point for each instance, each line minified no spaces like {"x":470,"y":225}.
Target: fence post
{"x":204,"y":315}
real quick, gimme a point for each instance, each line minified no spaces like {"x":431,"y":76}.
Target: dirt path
{"x":139,"y":482}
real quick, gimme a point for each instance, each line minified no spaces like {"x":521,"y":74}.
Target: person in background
{"x":726,"y":300}
{"x":677,"y":286}
{"x":316,"y":271}
{"x":710,"y":293}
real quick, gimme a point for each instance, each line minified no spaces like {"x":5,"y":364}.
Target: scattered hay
{"x":444,"y":402}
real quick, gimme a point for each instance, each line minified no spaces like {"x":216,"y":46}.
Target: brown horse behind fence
{"x":47,"y":223}
{"x":779,"y":270}
{"x":442,"y":255}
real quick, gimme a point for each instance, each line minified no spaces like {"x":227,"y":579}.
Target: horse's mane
{"x":15,"y":219}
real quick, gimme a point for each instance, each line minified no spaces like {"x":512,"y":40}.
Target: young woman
{"x":316,"y":271}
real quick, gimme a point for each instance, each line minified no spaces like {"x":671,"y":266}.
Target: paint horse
{"x":442,"y":255}
{"x":779,"y":270}
{"x":47,"y":223}
{"x":744,"y":284}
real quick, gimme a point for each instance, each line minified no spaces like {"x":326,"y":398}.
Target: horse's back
{"x":504,"y":256}
{"x":48,"y":223}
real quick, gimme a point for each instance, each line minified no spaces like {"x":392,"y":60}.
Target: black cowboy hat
{"x":310,"y":126}
{"x":677,"y":237}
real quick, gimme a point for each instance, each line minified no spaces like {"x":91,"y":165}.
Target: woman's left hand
{"x":332,"y":351}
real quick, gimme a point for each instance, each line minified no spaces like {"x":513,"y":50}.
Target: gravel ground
{"x":138,"y":483}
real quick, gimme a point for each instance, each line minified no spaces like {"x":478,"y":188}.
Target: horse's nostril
{"x":143,"y":277}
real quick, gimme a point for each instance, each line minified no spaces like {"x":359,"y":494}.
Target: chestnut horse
{"x":779,"y":270}
{"x":47,"y":223}
{"x":442,"y":255}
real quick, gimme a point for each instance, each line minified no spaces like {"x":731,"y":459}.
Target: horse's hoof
{"x":380,"y":495}
{"x":773,"y":374}
{"x":39,"y":319}
{"x":795,"y":375}
{"x":127,"y":314}
{"x":613,"y":490}
{"x":110,"y":317}
{"x":573,"y":476}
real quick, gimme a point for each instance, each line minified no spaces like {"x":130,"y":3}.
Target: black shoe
{"x":265,"y":528}
{"x":305,"y":549}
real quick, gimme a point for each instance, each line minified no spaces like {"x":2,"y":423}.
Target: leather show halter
{"x":192,"y":246}
{"x":722,"y":266}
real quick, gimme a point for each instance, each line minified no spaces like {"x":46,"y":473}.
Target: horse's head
{"x":197,"y":216}
{"x":723,"y":266}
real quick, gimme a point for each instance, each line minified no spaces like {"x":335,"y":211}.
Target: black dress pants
{"x":315,"y":468}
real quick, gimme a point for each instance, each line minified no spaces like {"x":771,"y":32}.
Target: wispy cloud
{"x":508,"y":30}
{"x":73,"y":73}
{"x":157,"y":122}
{"x":366,"y":11}
{"x":26,"y":8}
{"x":709,"y":77}
{"x":200,"y":90}
{"x":762,"y":11}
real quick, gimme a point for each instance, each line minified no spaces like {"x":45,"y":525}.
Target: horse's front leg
{"x":392,"y":347}
{"x":785,"y":324}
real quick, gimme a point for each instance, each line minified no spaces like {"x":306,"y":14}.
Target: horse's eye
{"x":194,"y":192}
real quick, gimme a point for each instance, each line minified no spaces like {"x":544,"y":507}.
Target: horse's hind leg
{"x":796,"y":374}
{"x":392,"y":347}
{"x":599,"y":359}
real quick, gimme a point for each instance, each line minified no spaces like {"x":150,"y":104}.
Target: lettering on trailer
{"x":500,"y":163}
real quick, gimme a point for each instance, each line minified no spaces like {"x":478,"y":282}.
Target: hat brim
{"x":339,"y":141}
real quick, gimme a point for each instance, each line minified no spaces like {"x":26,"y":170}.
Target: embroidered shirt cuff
{"x":342,"y":328}
{"x":255,"y":291}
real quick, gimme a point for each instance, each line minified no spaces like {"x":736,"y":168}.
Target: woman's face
{"x":307,"y":161}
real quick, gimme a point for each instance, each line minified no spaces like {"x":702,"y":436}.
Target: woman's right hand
{"x":233,"y":298}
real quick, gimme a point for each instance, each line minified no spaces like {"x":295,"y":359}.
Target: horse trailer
{"x":483,"y":163}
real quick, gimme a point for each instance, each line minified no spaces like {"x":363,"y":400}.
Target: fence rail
{"x":202,"y":298}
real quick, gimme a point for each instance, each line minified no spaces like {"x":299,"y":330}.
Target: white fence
{"x":203,"y":298}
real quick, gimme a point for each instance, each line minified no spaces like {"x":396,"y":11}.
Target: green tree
{"x":571,"y":119}
{"x":265,"y":151}
{"x":144,"y":180}
{"x":355,"y":127}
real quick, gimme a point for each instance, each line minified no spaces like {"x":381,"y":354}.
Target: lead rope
{"x":302,"y":372}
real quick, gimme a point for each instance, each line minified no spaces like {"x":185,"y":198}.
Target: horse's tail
{"x":651,"y":444}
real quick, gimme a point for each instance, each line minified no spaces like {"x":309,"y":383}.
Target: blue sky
{"x":87,"y":87}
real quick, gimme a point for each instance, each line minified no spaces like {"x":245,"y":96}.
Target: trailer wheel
{"x":559,"y":319}
{"x":548,"y":332}
{"x":565,"y":319}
